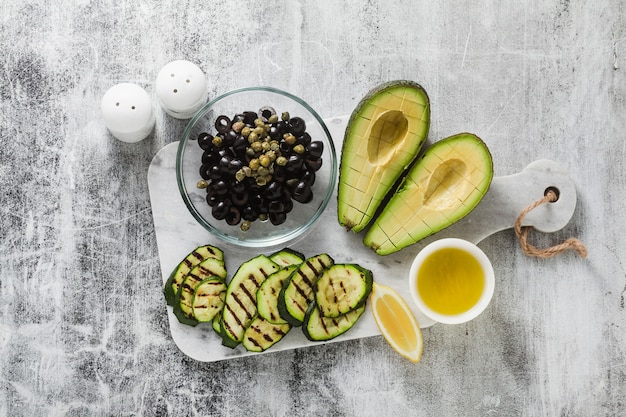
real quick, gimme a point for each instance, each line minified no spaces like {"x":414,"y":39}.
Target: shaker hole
{"x":175,"y":90}
{"x":188,"y":81}
{"x":172,"y":74}
{"x":133,"y":107}
{"x":117,"y":104}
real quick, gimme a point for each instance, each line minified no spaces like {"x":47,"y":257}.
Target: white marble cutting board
{"x":178,"y":233}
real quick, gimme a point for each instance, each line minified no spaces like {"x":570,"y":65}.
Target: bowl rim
{"x":276,"y":240}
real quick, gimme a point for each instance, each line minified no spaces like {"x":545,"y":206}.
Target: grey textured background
{"x":83,"y":329}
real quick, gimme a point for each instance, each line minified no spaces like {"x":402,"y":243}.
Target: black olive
{"x":297,"y":125}
{"x":249,"y":117}
{"x":255,"y":200}
{"x":294,"y":163}
{"x":210,"y":157}
{"x":309,"y":177}
{"x":282,"y":127}
{"x":277,"y":218}
{"x":273,"y":190}
{"x":313,"y":164}
{"x":276,"y":206}
{"x":240,"y":144}
{"x":274,"y":132}
{"x":280,"y":174}
{"x":220,"y":187}
{"x":226,"y":152}
{"x":266,"y":112}
{"x":205,"y":141}
{"x":220,"y":210}
{"x":215,"y":173}
{"x":240,"y":199}
{"x":233,"y":217}
{"x":234,"y":166}
{"x":249,"y":213}
{"x":315,"y":149}
{"x":205,"y":171}
{"x":237,"y":187}
{"x":222,"y":124}
{"x":302,"y":193}
{"x":211,"y":197}
{"x":285,"y":148}
{"x":304,"y":139}
{"x":230,"y":137}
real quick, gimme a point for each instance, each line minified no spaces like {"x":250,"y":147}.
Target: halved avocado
{"x":444,"y":185}
{"x":383,"y":136}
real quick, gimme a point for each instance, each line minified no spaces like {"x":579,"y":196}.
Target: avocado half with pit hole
{"x":445,"y":184}
{"x":384,"y":135}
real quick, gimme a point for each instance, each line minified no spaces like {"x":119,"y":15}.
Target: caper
{"x":247,"y":171}
{"x":246,"y":131}
{"x":289,"y":138}
{"x":273,"y":119}
{"x":202,"y":184}
{"x":217,"y":141}
{"x":254,"y":164}
{"x":237,"y":126}
{"x":261,"y":181}
{"x":250,"y":151}
{"x":264,"y":160}
{"x":257,"y":146}
{"x":274,"y":146}
{"x":259,"y":131}
{"x":265,"y":146}
{"x":253,"y":137}
{"x":262,"y":170}
{"x":259,"y":123}
{"x":263,"y":217}
{"x":298,"y":148}
{"x":271,"y":155}
{"x":285,"y":116}
{"x":240,"y":176}
{"x":281,"y":160}
{"x":245,"y":226}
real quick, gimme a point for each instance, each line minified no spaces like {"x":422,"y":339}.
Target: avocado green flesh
{"x":384,"y":135}
{"x":445,"y":184}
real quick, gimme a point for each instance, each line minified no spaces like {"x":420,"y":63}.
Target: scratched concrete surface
{"x":83,"y":329}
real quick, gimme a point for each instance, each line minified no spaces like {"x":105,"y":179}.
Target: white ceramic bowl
{"x":476,"y":253}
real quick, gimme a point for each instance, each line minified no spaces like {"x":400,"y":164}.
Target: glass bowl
{"x":262,"y":232}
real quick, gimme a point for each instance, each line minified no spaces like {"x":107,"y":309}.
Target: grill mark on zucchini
{"x":178,"y":275}
{"x":297,"y":291}
{"x":261,"y":335}
{"x":241,"y":307}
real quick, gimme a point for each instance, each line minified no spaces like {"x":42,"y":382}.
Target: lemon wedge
{"x":396,"y":322}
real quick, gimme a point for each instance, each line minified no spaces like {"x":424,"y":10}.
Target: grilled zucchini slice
{"x":319,"y":328}
{"x":297,"y":291}
{"x":208,"y":299}
{"x":183,"y":309}
{"x":261,"y":334}
{"x":179,"y":273}
{"x":267,"y":295}
{"x":287,"y":257}
{"x":240,"y":305}
{"x":342,"y":288}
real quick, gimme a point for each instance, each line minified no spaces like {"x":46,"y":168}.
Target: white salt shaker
{"x":127,"y":112}
{"x":181,"y":88}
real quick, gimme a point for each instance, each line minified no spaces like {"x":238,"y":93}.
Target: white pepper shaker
{"x":127,"y":112}
{"x":181,"y":88}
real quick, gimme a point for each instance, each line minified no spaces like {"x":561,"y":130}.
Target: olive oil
{"x":450,"y":281}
